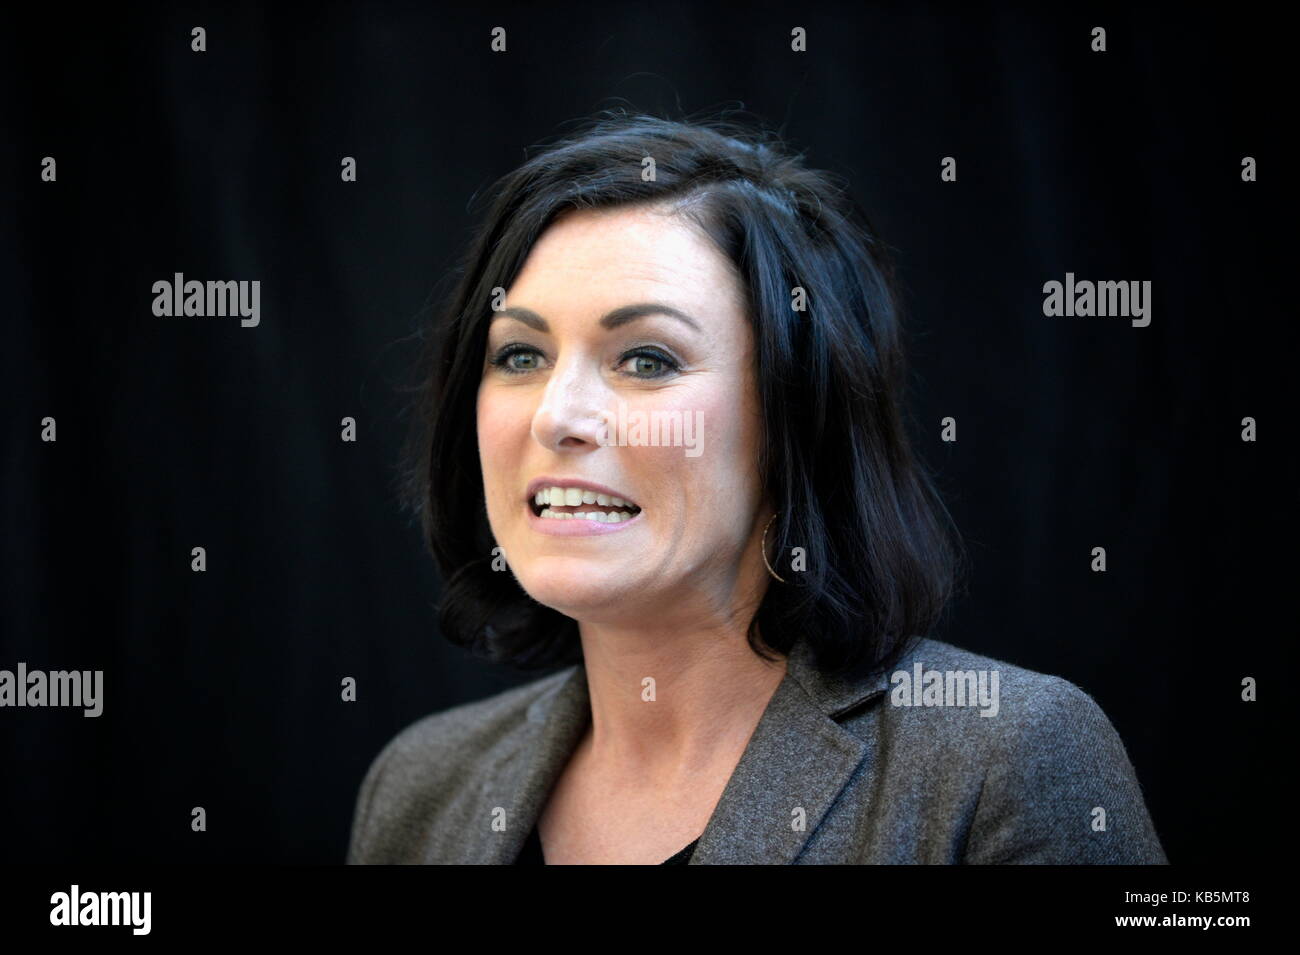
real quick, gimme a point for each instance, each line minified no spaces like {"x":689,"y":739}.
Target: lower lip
{"x":575,"y":526}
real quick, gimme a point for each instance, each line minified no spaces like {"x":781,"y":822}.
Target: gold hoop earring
{"x":763,"y":550}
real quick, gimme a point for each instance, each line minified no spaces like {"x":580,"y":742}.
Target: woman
{"x":662,"y":444}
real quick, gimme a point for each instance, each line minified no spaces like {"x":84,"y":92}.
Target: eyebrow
{"x":611,"y":320}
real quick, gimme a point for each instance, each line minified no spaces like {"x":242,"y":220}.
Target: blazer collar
{"x":797,"y":762}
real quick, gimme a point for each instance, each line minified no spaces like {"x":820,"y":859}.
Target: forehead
{"x":627,"y":250}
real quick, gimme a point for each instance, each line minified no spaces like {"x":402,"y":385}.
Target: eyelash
{"x":502,"y":358}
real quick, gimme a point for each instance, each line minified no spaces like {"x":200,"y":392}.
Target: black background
{"x":222,"y":689}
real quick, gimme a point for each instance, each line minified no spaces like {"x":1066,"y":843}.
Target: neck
{"x":708,"y":693}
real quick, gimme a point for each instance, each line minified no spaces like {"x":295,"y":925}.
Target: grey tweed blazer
{"x":836,"y":772}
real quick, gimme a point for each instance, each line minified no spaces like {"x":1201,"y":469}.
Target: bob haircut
{"x":836,"y":461}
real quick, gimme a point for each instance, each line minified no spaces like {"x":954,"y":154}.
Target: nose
{"x":570,"y":416}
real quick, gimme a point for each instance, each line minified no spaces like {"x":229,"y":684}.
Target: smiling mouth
{"x":569,"y":503}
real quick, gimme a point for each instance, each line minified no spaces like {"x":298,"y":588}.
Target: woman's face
{"x":655,"y":408}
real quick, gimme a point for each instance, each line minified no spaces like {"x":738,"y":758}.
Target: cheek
{"x":501,"y":425}
{"x":730,"y":446}
{"x":502,"y":419}
{"x":721,"y":484}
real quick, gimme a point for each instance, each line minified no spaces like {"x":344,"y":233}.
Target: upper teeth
{"x":573,"y":496}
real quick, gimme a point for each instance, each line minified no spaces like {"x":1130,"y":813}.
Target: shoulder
{"x":978,"y":699}
{"x":1046,"y":772}
{"x":477,"y":725}
{"x":416,"y":773}
{"x":971,"y":710}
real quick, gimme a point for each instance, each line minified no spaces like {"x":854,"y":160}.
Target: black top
{"x":531,"y":853}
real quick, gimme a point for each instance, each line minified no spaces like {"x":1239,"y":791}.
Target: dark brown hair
{"x":837,"y":463}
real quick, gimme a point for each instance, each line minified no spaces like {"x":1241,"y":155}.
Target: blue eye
{"x":517,"y":358}
{"x":650,"y":363}
{"x":505,"y":359}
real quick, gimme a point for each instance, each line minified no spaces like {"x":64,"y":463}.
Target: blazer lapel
{"x":795,"y":766}
{"x":520,"y":780}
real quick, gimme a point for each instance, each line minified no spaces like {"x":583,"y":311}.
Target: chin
{"x":578,"y":588}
